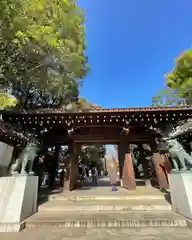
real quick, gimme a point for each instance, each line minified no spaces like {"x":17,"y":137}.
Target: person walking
{"x":89,"y":173}
{"x":113,"y":177}
{"x":81,"y":174}
{"x":39,"y":167}
{"x":94,"y":175}
{"x":52,"y":170}
{"x":61,"y":177}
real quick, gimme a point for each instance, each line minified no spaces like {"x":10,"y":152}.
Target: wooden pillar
{"x":57,"y":152}
{"x":71,"y":181}
{"x":53,"y":170}
{"x":160,"y":162}
{"x":121,"y":161}
{"x":74,"y":167}
{"x":166,"y":163}
{"x":126,"y":169}
{"x":145,"y":165}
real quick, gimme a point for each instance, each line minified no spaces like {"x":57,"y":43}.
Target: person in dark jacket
{"x":52,"y":170}
{"x":38,"y":168}
{"x":94,"y":174}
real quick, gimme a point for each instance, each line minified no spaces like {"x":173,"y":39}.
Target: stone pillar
{"x":145,"y":165}
{"x":160,"y":162}
{"x":126,"y":169}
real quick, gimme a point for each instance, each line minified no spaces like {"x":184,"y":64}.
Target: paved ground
{"x":179,"y":233}
{"x":101,"y":234}
{"x":104,"y":189}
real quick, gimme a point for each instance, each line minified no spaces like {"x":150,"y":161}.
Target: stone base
{"x":18,"y":201}
{"x":6,"y":152}
{"x":180,"y":184}
{"x":11,"y":227}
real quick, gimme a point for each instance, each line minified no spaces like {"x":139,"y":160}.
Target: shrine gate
{"x":120,"y":126}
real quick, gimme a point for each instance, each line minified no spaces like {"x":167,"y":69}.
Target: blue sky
{"x":131,"y":45}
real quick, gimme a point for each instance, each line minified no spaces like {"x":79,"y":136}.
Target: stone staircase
{"x":106,"y":209}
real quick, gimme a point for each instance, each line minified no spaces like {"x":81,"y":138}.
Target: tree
{"x":81,"y":105}
{"x":178,"y":88}
{"x":42,"y":47}
{"x":180,"y":78}
{"x":166,"y":97}
{"x":92,"y":155}
{"x":7,"y":101}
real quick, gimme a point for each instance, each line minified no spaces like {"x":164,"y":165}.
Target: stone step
{"x":104,"y":205}
{"x":110,"y":220}
{"x":61,"y":197}
{"x":145,"y":233}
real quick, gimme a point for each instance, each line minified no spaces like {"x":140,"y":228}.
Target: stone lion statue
{"x":15,"y":167}
{"x":179,"y":156}
{"x":25,"y":160}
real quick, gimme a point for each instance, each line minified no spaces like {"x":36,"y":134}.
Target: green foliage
{"x":42,"y":46}
{"x":166,"y":97}
{"x":7,"y":101}
{"x":92,"y":155}
{"x":178,"y":88}
{"x":81,"y":105}
{"x":180,"y":78}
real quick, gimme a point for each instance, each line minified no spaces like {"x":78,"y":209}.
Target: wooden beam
{"x":108,"y":138}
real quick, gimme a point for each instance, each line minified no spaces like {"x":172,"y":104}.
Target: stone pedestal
{"x":6,"y":152}
{"x":180,"y":184}
{"x":18,"y":201}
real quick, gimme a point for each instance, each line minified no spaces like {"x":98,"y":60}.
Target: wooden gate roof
{"x":104,"y":115}
{"x":113,"y":119}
